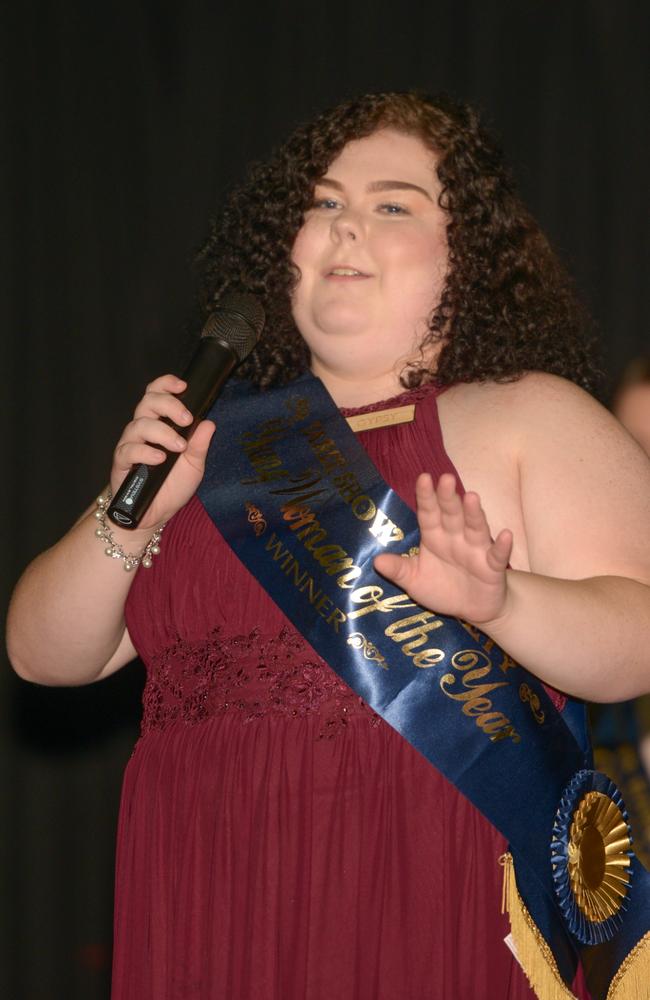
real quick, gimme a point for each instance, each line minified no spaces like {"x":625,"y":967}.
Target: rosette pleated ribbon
{"x":296,"y":497}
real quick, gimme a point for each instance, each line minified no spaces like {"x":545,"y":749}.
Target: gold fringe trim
{"x":632,"y":980}
{"x":533,"y":953}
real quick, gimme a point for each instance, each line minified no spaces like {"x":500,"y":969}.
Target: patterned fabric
{"x":251,"y":675}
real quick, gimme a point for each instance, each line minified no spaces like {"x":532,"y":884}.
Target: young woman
{"x":277,"y":839}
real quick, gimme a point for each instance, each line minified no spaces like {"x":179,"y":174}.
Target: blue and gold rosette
{"x":296,"y":497}
{"x":591,"y":857}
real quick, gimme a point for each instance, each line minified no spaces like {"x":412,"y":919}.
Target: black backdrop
{"x":122,"y":125}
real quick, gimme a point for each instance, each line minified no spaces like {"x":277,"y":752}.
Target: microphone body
{"x":228,"y":337}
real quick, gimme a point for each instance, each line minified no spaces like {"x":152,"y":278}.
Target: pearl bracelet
{"x":114,"y":549}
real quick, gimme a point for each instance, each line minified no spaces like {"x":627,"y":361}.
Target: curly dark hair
{"x":507,"y":305}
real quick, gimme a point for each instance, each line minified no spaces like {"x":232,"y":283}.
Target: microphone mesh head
{"x":237,"y":321}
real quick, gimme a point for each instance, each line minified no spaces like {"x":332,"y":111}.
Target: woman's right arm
{"x":66,"y":618}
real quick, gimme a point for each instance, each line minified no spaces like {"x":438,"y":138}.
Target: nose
{"x":346,"y":227}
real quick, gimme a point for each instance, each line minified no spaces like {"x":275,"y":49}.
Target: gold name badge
{"x":382,"y":418}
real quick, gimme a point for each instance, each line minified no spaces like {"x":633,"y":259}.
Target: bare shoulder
{"x":526,"y":395}
{"x":550,"y":393}
{"x":544,"y":422}
{"x":579,"y":482}
{"x":546,"y":408}
{"x":536,"y":405}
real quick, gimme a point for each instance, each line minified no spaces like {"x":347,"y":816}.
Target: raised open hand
{"x":460,"y":570}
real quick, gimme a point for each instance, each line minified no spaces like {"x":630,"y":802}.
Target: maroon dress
{"x":277,"y":840}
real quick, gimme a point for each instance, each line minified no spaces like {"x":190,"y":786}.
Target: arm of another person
{"x":580,"y":618}
{"x":66,"y":618}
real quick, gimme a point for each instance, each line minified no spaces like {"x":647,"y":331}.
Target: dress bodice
{"x":211,"y":638}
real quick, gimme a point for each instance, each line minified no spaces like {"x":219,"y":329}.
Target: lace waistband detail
{"x":255,"y":675}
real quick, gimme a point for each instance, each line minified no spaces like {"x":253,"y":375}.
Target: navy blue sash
{"x":303,"y":507}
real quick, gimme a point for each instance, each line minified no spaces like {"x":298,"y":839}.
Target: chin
{"x":343,"y":321}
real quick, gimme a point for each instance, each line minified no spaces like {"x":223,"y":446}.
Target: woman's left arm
{"x":580,"y":619}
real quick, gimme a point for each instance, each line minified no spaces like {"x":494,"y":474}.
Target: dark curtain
{"x":123,"y":124}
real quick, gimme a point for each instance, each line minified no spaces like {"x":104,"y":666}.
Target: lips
{"x":345,"y":271}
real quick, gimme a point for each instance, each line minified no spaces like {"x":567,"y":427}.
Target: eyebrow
{"x":380,"y":186}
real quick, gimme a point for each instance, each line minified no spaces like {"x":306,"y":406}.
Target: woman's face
{"x":372,"y":254}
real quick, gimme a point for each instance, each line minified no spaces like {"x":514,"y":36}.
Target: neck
{"x":352,"y":385}
{"x":358,"y":390}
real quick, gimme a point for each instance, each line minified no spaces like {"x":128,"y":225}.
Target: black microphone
{"x":229,"y":335}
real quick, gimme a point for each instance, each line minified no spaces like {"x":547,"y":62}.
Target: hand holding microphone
{"x":169,"y":414}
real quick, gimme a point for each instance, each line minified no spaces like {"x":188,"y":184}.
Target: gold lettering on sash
{"x":427,"y":658}
{"x":428,"y":622}
{"x":299,"y":409}
{"x":256,"y":518}
{"x":348,"y":486}
{"x":299,"y":513}
{"x":304,"y":583}
{"x":257,"y":445}
{"x":297,"y":489}
{"x":336,"y":618}
{"x":370,"y":652}
{"x":527,"y":695}
{"x":363,"y":507}
{"x":473,"y":667}
{"x":487,"y":645}
{"x":324,"y":448}
{"x":332,"y":557}
{"x":313,"y":533}
{"x":385,"y":530}
{"x":399,"y":632}
{"x":372,"y":597}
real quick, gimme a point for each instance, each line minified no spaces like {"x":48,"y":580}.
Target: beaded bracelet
{"x":114,"y":549}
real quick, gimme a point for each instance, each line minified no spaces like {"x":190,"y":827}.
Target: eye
{"x":393,"y":208}
{"x":326,"y":203}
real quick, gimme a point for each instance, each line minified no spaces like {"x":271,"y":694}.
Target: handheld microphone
{"x":229,"y":335}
